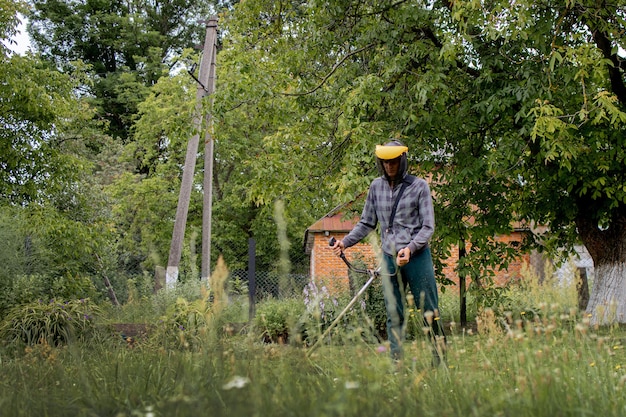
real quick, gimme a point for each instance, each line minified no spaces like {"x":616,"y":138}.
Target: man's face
{"x":391,"y":167}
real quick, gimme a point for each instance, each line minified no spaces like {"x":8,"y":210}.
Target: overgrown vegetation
{"x":516,"y":110}
{"x":539,"y":357}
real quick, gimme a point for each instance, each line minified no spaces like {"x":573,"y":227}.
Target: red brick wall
{"x":502,"y":276}
{"x":513,"y":271}
{"x":330,"y":270}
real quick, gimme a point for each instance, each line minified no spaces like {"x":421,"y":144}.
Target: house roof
{"x":333,"y":221}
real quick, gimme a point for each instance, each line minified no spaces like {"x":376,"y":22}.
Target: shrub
{"x":189,"y":323}
{"x":277,"y":320}
{"x":185,"y":323}
{"x":234,"y":318}
{"x":25,"y":289}
{"x":73,"y":287}
{"x":163,"y":300}
{"x":55,"y":322}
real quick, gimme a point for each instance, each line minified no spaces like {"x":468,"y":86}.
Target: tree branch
{"x":615,"y":72}
{"x":332,"y":71}
{"x":604,"y":44}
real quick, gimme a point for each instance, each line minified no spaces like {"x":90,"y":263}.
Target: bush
{"x":26,"y":289}
{"x":185,"y":324}
{"x":234,"y":318}
{"x":23,"y":289}
{"x":277,"y":320}
{"x":55,"y":322}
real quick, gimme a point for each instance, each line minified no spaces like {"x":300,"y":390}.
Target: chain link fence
{"x":258,"y":282}
{"x":262,"y":283}
{"x":580,"y":262}
{"x":270,"y":284}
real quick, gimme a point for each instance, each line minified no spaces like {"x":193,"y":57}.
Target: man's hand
{"x":338,"y":247}
{"x":404,"y":255}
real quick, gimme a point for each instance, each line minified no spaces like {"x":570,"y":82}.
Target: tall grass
{"x":522,"y":296}
{"x":548,"y":363}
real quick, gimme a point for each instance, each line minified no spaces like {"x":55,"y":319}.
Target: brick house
{"x":326,"y":268}
{"x":329,"y":270}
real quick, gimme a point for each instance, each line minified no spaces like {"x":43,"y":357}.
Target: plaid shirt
{"x":413,"y":224}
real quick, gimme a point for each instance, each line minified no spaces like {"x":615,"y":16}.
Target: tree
{"x":127,"y":44}
{"x":51,"y":209}
{"x":36,"y":103}
{"x":567,"y":158}
{"x":159,"y":143}
{"x":516,"y":109}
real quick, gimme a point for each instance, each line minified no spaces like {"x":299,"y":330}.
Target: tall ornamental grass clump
{"x":52,"y":322}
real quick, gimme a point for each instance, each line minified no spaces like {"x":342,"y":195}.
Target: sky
{"x":22,"y":40}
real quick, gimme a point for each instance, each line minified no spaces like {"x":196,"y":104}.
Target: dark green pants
{"x":419,"y":275}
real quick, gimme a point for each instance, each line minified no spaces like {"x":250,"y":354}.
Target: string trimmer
{"x":370,"y":272}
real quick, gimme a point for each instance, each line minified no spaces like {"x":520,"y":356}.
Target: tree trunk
{"x":607,"y":303}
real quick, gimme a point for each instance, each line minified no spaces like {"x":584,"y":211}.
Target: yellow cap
{"x":390,"y":152}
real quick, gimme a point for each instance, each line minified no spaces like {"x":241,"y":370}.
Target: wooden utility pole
{"x":178,"y":236}
{"x":207,"y":207}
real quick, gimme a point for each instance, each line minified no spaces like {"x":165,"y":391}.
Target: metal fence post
{"x":251,"y":278}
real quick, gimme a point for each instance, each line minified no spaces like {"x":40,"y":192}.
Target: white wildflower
{"x":352,"y":384}
{"x":236,"y":382}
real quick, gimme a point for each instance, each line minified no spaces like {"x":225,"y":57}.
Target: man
{"x":405,"y":231}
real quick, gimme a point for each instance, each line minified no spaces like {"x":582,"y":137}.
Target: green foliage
{"x":540,"y":293}
{"x":36,"y":105}
{"x":18,"y":249}
{"x":518,"y":117}
{"x":519,"y":120}
{"x":25,"y":289}
{"x":323,"y":308}
{"x":373,"y":301}
{"x":534,"y":296}
{"x":534,"y":371}
{"x":185,"y":324}
{"x":52,"y":322}
{"x":162,"y":301}
{"x":127,"y":47}
{"x":516,"y":360}
{"x":44,"y":260}
{"x":9,"y":20}
{"x":191,"y":322}
{"x":51,"y":210}
{"x":277,"y":320}
{"x":142,"y":220}
{"x":30,"y":288}
{"x":59,"y":255}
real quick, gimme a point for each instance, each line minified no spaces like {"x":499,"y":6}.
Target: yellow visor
{"x":390,"y":152}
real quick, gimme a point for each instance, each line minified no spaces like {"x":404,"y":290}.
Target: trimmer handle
{"x":331,"y":242}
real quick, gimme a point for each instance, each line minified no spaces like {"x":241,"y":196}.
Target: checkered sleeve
{"x":368,"y":220}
